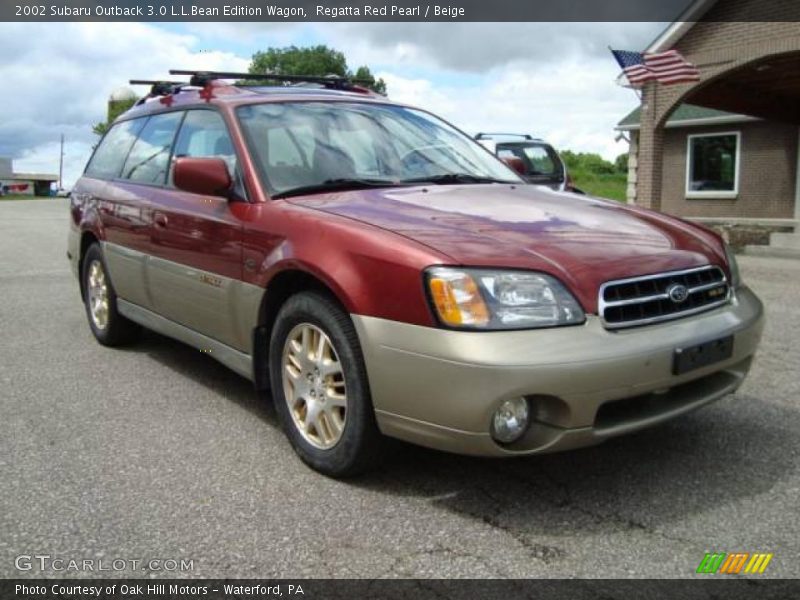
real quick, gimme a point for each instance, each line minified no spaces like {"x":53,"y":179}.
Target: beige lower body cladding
{"x":440,"y":388}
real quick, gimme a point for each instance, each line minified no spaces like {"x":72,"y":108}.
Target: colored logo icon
{"x":734,"y":563}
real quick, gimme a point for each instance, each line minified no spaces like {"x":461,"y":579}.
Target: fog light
{"x":510,"y":420}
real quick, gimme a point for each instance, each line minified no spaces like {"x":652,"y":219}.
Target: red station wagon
{"x":384,"y":275}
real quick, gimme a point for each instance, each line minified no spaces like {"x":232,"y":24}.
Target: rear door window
{"x":204,"y":134}
{"x":107,"y":161}
{"x":148,"y":161}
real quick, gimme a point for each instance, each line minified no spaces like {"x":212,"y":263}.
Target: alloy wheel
{"x":314,"y":386}
{"x":97,"y":290}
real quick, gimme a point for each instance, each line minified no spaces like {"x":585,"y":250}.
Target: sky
{"x":552,"y":80}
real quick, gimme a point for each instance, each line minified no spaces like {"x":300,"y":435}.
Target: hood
{"x":581,"y":240}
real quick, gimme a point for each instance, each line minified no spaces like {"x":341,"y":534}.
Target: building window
{"x":712,"y":165}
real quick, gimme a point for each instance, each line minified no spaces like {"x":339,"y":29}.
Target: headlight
{"x":733,"y":266}
{"x":490,"y":299}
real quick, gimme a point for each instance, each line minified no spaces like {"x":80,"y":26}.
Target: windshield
{"x":304,"y":147}
{"x":540,"y":160}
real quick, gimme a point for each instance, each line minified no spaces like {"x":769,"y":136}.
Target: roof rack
{"x":202,"y":78}
{"x":525,"y":136}
{"x":158,"y":88}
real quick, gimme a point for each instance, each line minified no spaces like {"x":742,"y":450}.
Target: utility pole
{"x":61,"y":165}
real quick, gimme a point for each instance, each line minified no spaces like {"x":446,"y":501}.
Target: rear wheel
{"x":320,"y":387}
{"x":108,"y":326}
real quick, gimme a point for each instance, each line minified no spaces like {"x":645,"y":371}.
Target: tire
{"x":337,"y":392}
{"x":108,"y":326}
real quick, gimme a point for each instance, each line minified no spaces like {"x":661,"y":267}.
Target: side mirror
{"x":515,"y":163}
{"x":206,"y":176}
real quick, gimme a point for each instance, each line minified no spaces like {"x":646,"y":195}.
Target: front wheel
{"x":320,"y":387}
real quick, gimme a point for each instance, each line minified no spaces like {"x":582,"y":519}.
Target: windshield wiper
{"x":343,"y":183}
{"x":348,"y":183}
{"x":452,"y":178}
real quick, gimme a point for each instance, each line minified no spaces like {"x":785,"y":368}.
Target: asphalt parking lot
{"x":156,"y":451}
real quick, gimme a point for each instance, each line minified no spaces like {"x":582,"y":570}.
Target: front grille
{"x":647,"y":299}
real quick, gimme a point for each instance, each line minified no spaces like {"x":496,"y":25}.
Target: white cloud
{"x":44,"y":159}
{"x":479,"y":47}
{"x":574,"y":105}
{"x":63,"y":73}
{"x":553,"y":80}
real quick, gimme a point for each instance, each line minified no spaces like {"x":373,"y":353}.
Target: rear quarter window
{"x":107,"y":161}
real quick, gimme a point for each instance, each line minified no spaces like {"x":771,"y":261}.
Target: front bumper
{"x":439,"y":388}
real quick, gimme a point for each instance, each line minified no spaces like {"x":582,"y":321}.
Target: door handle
{"x":160,"y":220}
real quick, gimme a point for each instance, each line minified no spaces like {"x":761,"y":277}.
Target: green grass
{"x":611,"y":185}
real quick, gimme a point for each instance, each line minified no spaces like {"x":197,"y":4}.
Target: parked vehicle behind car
{"x":384,"y":275}
{"x":532,"y":158}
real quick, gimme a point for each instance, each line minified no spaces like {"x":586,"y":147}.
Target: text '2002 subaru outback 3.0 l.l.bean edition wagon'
{"x":383,"y":274}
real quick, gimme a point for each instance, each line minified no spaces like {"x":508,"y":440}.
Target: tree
{"x":115,"y":109}
{"x":594,"y":163}
{"x":319,"y":61}
{"x":570,"y":159}
{"x":588,"y":161}
{"x":621,"y":163}
{"x":376,"y":85}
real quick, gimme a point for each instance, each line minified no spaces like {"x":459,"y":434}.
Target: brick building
{"x":724,"y":150}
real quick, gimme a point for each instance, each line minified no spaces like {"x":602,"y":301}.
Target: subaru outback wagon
{"x":385,"y":276}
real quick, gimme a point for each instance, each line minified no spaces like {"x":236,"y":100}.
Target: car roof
{"x":217,"y":93}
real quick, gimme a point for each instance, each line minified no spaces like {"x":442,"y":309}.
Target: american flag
{"x":665,"y":67}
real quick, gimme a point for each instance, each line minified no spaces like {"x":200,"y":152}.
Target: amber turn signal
{"x":457,"y":298}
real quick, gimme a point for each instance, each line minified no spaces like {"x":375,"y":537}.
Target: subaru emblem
{"x":677,"y":293}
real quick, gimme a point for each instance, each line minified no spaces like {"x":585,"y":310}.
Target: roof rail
{"x":201,"y":78}
{"x":525,"y":136}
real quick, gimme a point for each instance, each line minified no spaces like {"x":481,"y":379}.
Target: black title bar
{"x":730,"y":588}
{"x":396,"y":10}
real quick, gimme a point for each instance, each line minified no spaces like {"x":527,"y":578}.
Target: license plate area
{"x":701,"y":355}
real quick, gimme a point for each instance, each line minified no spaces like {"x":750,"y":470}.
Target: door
{"x":195,"y":269}
{"x":124,"y":215}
